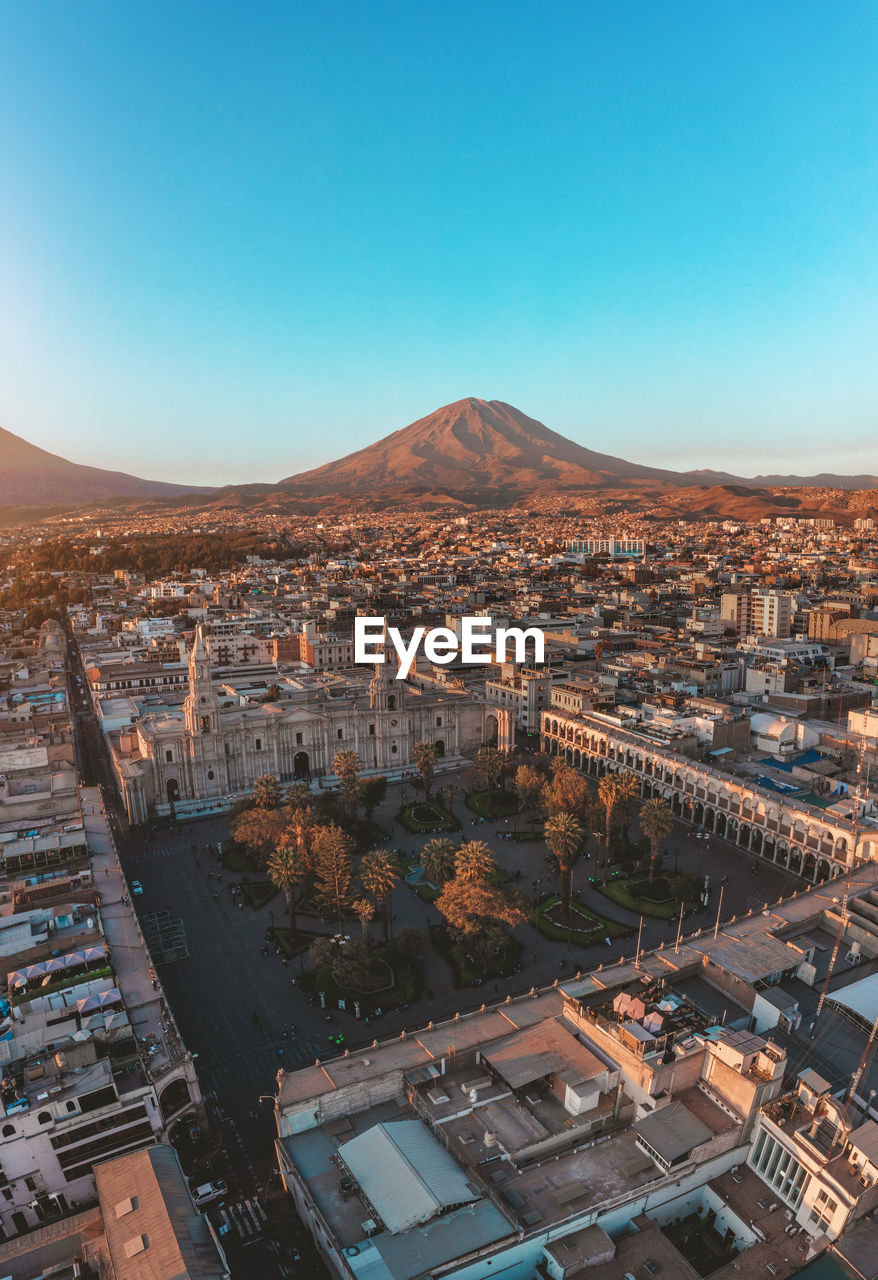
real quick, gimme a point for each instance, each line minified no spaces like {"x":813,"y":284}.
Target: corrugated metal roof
{"x":405,"y":1174}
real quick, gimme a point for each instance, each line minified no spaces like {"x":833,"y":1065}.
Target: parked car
{"x":208,"y":1192}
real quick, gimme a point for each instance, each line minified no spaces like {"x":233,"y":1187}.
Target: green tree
{"x":566,"y":792}
{"x":334,"y":874}
{"x":564,"y":839}
{"x":372,"y":793}
{"x":364,"y":910}
{"x":656,"y":819}
{"x":437,"y":859}
{"x":286,"y":869}
{"x":379,"y":878}
{"x":425,"y":756}
{"x":529,"y":790}
{"x":488,"y":766}
{"x":267,"y":792}
{"x":346,"y":765}
{"x":608,"y":792}
{"x":469,"y":906}
{"x":298,"y":796}
{"x":474,"y":862}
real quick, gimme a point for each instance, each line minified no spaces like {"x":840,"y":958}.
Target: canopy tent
{"x":405,"y":1174}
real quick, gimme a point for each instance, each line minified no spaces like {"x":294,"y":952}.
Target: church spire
{"x":201,"y":706}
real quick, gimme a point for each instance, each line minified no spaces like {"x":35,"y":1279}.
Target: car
{"x":136,"y":888}
{"x":208,"y":1192}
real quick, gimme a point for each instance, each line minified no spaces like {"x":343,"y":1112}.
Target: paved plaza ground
{"x":227,"y":984}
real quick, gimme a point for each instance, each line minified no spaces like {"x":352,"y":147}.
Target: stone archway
{"x":301,"y":765}
{"x":172,"y":790}
{"x":174,"y":1097}
{"x":439,"y":744}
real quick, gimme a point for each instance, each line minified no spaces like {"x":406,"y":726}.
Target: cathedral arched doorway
{"x":301,"y":765}
{"x":439,"y":744}
{"x":173,"y":790}
{"x":492,"y":731}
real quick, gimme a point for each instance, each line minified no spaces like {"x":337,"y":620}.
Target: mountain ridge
{"x":31,"y":476}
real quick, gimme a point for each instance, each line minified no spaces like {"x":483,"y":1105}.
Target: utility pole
{"x":719,"y":909}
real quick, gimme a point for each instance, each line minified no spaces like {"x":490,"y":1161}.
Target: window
{"x":7,"y":1194}
{"x":338,"y":734}
{"x":393,"y":749}
{"x":169,"y":756}
{"x":371,"y":731}
{"x":298,"y":739}
{"x":8,"y":1130}
{"x":210,"y":775}
{"x":438,"y":722}
{"x":45,"y":1117}
{"x":71,"y":1106}
{"x":31,"y":1184}
{"x":258,"y":744}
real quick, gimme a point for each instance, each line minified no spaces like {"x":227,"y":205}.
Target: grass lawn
{"x":258,"y":892}
{"x":368,"y":834}
{"x":294,"y":946}
{"x":233,"y":858}
{"x":406,"y":975}
{"x":466,"y":970}
{"x":589,"y":929}
{"x":670,"y":891}
{"x":493,"y":804}
{"x":421,"y":817}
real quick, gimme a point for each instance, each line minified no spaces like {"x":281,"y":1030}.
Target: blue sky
{"x":237,"y":240}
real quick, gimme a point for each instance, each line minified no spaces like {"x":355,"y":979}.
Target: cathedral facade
{"x":180,"y":759}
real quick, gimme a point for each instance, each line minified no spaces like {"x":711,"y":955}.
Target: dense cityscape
{"x":559,"y":947}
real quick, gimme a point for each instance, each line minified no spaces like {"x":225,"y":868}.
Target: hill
{"x":30,"y":475}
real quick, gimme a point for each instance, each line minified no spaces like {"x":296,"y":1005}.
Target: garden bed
{"x":258,"y":892}
{"x":405,"y":973}
{"x":467,"y":971}
{"x":294,"y":945}
{"x":493,"y":804}
{"x":423,"y":818}
{"x":661,"y":901}
{"x":587,"y":927}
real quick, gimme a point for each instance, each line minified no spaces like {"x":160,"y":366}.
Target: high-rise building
{"x":758,"y":613}
{"x":617,"y":548}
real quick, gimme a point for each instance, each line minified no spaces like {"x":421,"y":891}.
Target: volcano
{"x":475,"y":449}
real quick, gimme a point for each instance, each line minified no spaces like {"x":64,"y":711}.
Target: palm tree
{"x":298,"y":796}
{"x":425,"y":755}
{"x":629,"y":787}
{"x":656,"y":819}
{"x":474,"y":862}
{"x":266,"y":792}
{"x":608,"y":792}
{"x":564,"y":837}
{"x":286,"y":869}
{"x":364,"y":909}
{"x":437,"y":859}
{"x":346,"y":765}
{"x":379,"y":878}
{"x":488,"y":766}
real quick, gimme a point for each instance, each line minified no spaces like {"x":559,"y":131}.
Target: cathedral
{"x":209,"y":752}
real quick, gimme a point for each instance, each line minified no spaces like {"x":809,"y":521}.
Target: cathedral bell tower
{"x":385,"y":691}
{"x":201,"y":707}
